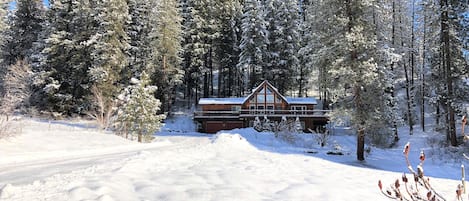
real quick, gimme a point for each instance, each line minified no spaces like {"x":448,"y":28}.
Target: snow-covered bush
{"x":321,"y":138}
{"x":138,"y":114}
{"x":420,"y":188}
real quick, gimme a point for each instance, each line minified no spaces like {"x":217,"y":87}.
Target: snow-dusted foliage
{"x":138,"y":30}
{"x":109,"y":50}
{"x":165,"y":65}
{"x":348,"y":53}
{"x":138,"y":114}
{"x":66,"y":57}
{"x":253,"y":43}
{"x":25,"y":26}
{"x":281,"y":59}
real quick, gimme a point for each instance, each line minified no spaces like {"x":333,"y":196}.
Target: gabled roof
{"x":241,"y":101}
{"x":258,"y":88}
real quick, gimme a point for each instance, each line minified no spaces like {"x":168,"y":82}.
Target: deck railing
{"x":268,"y":113}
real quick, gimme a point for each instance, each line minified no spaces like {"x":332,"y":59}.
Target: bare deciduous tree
{"x":17,"y":87}
{"x":102,"y":109}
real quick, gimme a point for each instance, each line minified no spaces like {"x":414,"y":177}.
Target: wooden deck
{"x":317,"y":114}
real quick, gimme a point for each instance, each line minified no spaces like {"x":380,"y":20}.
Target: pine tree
{"x":253,"y":43}
{"x":196,"y":47}
{"x":227,"y":47}
{"x":65,"y":84}
{"x":351,"y":60}
{"x":287,"y":44}
{"x":138,"y":28}
{"x":138,"y":114}
{"x":166,"y":64}
{"x":25,"y":27}
{"x":110,"y":45}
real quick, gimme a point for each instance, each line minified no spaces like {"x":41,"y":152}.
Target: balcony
{"x":323,"y":114}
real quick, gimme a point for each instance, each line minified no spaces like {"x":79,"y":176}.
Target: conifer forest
{"x":377,"y":64}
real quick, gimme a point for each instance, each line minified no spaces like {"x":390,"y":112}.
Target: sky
{"x":13,"y":4}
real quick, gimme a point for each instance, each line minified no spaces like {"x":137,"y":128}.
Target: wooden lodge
{"x":215,"y":114}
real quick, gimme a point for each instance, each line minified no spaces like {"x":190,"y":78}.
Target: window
{"x":260,"y":109}
{"x":252,"y":109}
{"x":236,"y":108}
{"x":260,"y":98}
{"x":300,"y":108}
{"x":270,"y":98}
{"x":270,"y":109}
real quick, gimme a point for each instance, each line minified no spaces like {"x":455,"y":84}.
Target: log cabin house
{"x":215,"y":114}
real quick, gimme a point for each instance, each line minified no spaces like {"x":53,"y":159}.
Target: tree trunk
{"x":361,"y":144}
{"x":447,"y":63}
{"x":422,"y":81}
{"x":408,"y":83}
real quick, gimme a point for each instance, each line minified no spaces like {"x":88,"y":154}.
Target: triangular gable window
{"x":268,"y":90}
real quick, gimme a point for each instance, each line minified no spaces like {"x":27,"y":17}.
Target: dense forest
{"x":379,"y":64}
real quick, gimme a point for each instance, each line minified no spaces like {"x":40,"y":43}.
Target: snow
{"x":209,"y":101}
{"x":66,"y":160}
{"x":299,"y":100}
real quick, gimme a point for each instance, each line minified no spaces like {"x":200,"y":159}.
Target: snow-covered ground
{"x":67,"y":160}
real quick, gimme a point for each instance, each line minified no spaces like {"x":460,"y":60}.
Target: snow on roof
{"x":308,"y":100}
{"x":226,"y":101}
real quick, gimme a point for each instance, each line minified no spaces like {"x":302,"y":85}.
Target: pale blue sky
{"x":13,"y":4}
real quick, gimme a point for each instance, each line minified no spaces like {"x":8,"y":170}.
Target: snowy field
{"x":72,"y":161}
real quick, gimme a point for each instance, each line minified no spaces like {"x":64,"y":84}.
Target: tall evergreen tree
{"x":351,"y":61}
{"x":110,"y":45}
{"x":166,"y":65}
{"x":253,"y":43}
{"x":67,"y":56}
{"x":25,"y":27}
{"x":138,"y":29}
{"x":196,"y":47}
{"x":227,"y":47}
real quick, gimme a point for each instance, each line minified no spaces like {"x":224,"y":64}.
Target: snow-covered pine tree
{"x":166,"y":61}
{"x":286,"y":44}
{"x":253,"y":43}
{"x":453,"y":63}
{"x":25,"y":25}
{"x":350,"y":58}
{"x":321,"y":27}
{"x":446,"y":59}
{"x":139,"y":112}
{"x":138,"y":29}
{"x":3,"y":34}
{"x":391,"y":117}
{"x":271,"y":55}
{"x":227,"y":47}
{"x":109,"y":47}
{"x":303,"y":74}
{"x":65,"y":81}
{"x":196,"y":47}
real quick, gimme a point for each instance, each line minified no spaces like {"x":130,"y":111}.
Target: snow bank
{"x":184,"y":165}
